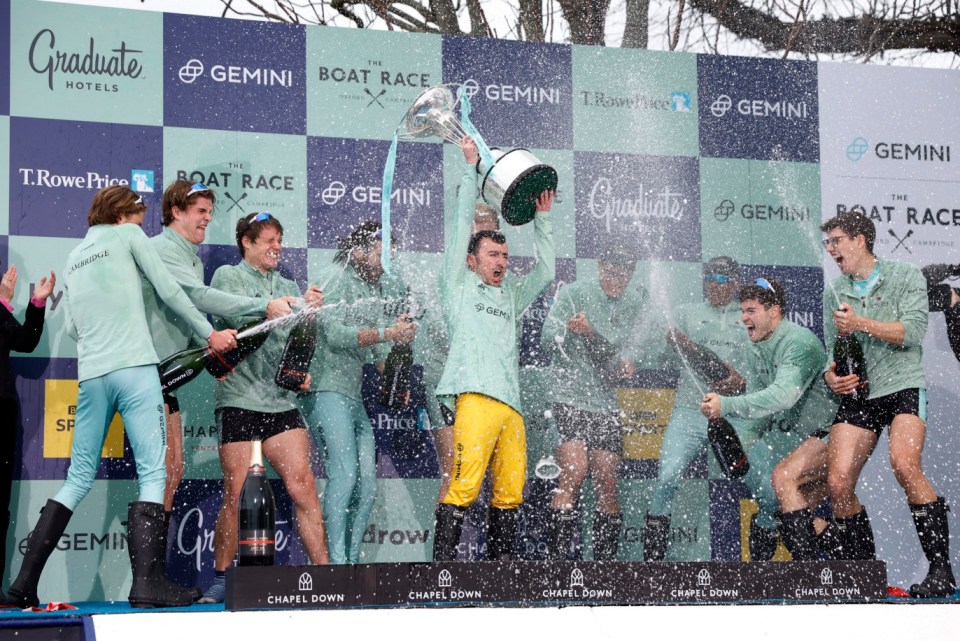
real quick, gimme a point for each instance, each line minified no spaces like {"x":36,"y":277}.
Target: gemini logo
{"x":191,"y":71}
{"x":333,"y":193}
{"x":857,"y":149}
{"x":513,"y":93}
{"x":264,"y":77}
{"x":723,"y":210}
{"x":721,"y":105}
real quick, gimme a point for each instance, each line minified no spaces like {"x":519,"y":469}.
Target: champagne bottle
{"x":182,"y":367}
{"x":395,"y":385}
{"x":727,"y":448}
{"x":257,"y":515}
{"x":297,"y":354}
{"x":602,"y":354}
{"x":703,"y":360}
{"x":848,"y":355}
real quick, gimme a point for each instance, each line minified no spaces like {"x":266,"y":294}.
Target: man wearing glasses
{"x":884,"y":305}
{"x":584,"y":384}
{"x":716,"y":325}
{"x":187,"y":209}
{"x":250,"y":406}
{"x":784,"y":389}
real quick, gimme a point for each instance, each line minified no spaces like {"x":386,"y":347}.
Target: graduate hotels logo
{"x":96,"y":66}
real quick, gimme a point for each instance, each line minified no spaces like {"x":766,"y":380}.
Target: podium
{"x":552,"y":584}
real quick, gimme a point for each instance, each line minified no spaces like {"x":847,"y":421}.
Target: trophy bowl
{"x":511,"y":186}
{"x":514,"y":178}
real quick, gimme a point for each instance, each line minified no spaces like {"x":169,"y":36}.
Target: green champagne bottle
{"x":727,"y":448}
{"x":602,"y":354}
{"x":182,"y":367}
{"x":848,"y":355}
{"x":297,"y":354}
{"x":395,"y":384}
{"x":257,"y":523}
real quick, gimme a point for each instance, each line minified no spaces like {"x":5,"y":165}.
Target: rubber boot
{"x":447,"y":529}
{"x":796,"y":529}
{"x":561,"y":528}
{"x":501,"y":533}
{"x":855,"y":537}
{"x":931,"y":522}
{"x":146,"y":544}
{"x":829,"y":542}
{"x":655,"y":535}
{"x":40,"y":543}
{"x":762,"y":540}
{"x":197,"y":592}
{"x":606,"y":535}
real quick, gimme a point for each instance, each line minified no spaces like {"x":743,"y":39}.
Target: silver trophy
{"x":510,"y":181}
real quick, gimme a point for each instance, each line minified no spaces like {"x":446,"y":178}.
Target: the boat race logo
{"x":521,"y":94}
{"x":758,"y":109}
{"x":257,"y":84}
{"x":650,"y":202}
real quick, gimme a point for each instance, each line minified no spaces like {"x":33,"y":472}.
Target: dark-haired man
{"x":584,"y":384}
{"x":715,"y":324}
{"x":784,"y":389}
{"x":250,"y":406}
{"x":884,"y":304}
{"x":187,"y":210}
{"x":481,"y":370}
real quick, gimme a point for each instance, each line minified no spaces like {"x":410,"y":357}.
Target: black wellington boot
{"x":855,"y":537}
{"x":501,"y":533}
{"x":931,"y":522}
{"x":146,"y":543}
{"x":762,"y":540}
{"x":41,"y":542}
{"x":197,"y":592}
{"x":796,"y":529}
{"x":446,"y":531}
{"x":655,"y":535}
{"x":561,"y":528}
{"x":606,"y":535}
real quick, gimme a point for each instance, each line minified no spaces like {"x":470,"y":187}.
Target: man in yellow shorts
{"x":482,"y":369}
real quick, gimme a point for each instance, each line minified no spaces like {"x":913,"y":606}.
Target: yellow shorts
{"x":485,"y":427}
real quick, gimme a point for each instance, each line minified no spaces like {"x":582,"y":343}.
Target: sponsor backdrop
{"x":683,"y":157}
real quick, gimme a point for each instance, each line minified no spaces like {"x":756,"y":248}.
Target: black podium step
{"x":539,"y":583}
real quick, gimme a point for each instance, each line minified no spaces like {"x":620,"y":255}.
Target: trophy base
{"x":514,"y":182}
{"x":519,"y":204}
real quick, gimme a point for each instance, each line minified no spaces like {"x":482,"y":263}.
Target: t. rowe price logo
{"x":46,"y":59}
{"x":760,"y":108}
{"x":762,"y":211}
{"x":677,"y":101}
{"x":38,"y":177}
{"x":333,"y":193}
{"x":527,"y":94}
{"x":605,"y":203}
{"x":921,"y":151}
{"x":262,"y":76}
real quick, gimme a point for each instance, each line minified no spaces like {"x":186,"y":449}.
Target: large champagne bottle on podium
{"x":395,"y":386}
{"x":297,"y":354}
{"x":257,"y":515}
{"x":848,"y":355}
{"x":182,"y":367}
{"x":727,"y":448}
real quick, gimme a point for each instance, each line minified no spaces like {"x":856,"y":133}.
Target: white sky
{"x":501,"y":13}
